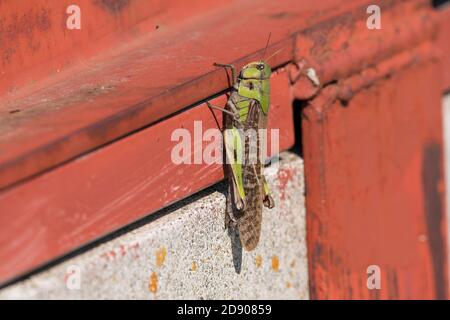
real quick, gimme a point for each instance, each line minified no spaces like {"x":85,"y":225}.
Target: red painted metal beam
{"x":155,"y":75}
{"x":67,"y":123}
{"x":444,"y":45}
{"x":373,"y":166}
{"x":36,"y":44}
{"x":345,"y":46}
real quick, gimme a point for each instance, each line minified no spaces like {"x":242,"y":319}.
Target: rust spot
{"x":134,"y":249}
{"x":282,"y":15}
{"x":431,"y":181}
{"x":110,"y":255}
{"x":288,"y":284}
{"x":123,"y":251}
{"x":23,"y":27}
{"x":160,"y":256}
{"x":153,"y":283}
{"x":275,"y":263}
{"x":258,"y":261}
{"x":194,"y":266}
{"x":113,"y":6}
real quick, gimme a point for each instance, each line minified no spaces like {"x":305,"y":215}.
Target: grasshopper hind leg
{"x":231,"y":220}
{"x":269,"y":202}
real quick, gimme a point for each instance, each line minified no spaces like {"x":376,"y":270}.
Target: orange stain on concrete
{"x":275,"y":263}
{"x":258,"y":261}
{"x":153,"y":283}
{"x":194,"y":266}
{"x":160,"y":256}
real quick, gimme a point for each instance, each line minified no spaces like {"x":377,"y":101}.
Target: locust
{"x":245,"y":114}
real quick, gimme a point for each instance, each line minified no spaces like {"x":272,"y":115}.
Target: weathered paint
{"x":32,"y":32}
{"x":129,"y":87}
{"x":343,"y":46}
{"x":374,"y":188}
{"x":72,"y":112}
{"x":444,"y":45}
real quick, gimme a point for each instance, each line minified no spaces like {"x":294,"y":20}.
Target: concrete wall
{"x":184,"y":252}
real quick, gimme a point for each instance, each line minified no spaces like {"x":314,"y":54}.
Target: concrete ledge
{"x":185,"y":253}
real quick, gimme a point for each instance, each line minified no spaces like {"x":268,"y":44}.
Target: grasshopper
{"x":245,"y":113}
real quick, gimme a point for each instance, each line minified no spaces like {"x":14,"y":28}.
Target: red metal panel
{"x":344,"y":45}
{"x":114,"y":186}
{"x":149,"y":78}
{"x":372,"y":162}
{"x":443,"y":42}
{"x":373,"y":168}
{"x":35,"y":41}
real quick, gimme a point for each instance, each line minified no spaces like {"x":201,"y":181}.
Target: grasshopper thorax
{"x":253,"y":83}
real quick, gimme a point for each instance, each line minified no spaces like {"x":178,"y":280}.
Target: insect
{"x":246,"y":112}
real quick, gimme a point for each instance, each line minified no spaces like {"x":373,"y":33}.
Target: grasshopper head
{"x":255,"y":70}
{"x":253,"y":83}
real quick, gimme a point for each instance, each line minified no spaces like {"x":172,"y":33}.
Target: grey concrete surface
{"x":185,"y":253}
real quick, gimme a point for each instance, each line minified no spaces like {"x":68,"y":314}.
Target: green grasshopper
{"x":246,"y":112}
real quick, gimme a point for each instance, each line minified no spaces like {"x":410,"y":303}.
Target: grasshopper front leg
{"x":233,"y":71}
{"x":234,"y":113}
{"x":234,"y":150}
{"x":268,"y":200}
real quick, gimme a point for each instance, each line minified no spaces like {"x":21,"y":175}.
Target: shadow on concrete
{"x":236,"y":249}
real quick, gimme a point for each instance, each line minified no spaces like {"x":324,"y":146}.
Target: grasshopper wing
{"x":250,"y":222}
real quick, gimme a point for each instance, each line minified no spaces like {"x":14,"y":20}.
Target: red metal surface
{"x":373,"y":168}
{"x":149,"y":78}
{"x":443,"y":42}
{"x":372,"y":135}
{"x":344,"y":45}
{"x":35,"y":42}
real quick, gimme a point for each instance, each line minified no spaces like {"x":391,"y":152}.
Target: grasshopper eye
{"x":260,"y":66}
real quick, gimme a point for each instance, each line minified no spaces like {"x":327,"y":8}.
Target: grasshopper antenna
{"x":267,"y":44}
{"x":273,"y":54}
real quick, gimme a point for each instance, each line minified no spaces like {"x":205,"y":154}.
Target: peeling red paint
{"x":368,"y":196}
{"x":285,"y":175}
